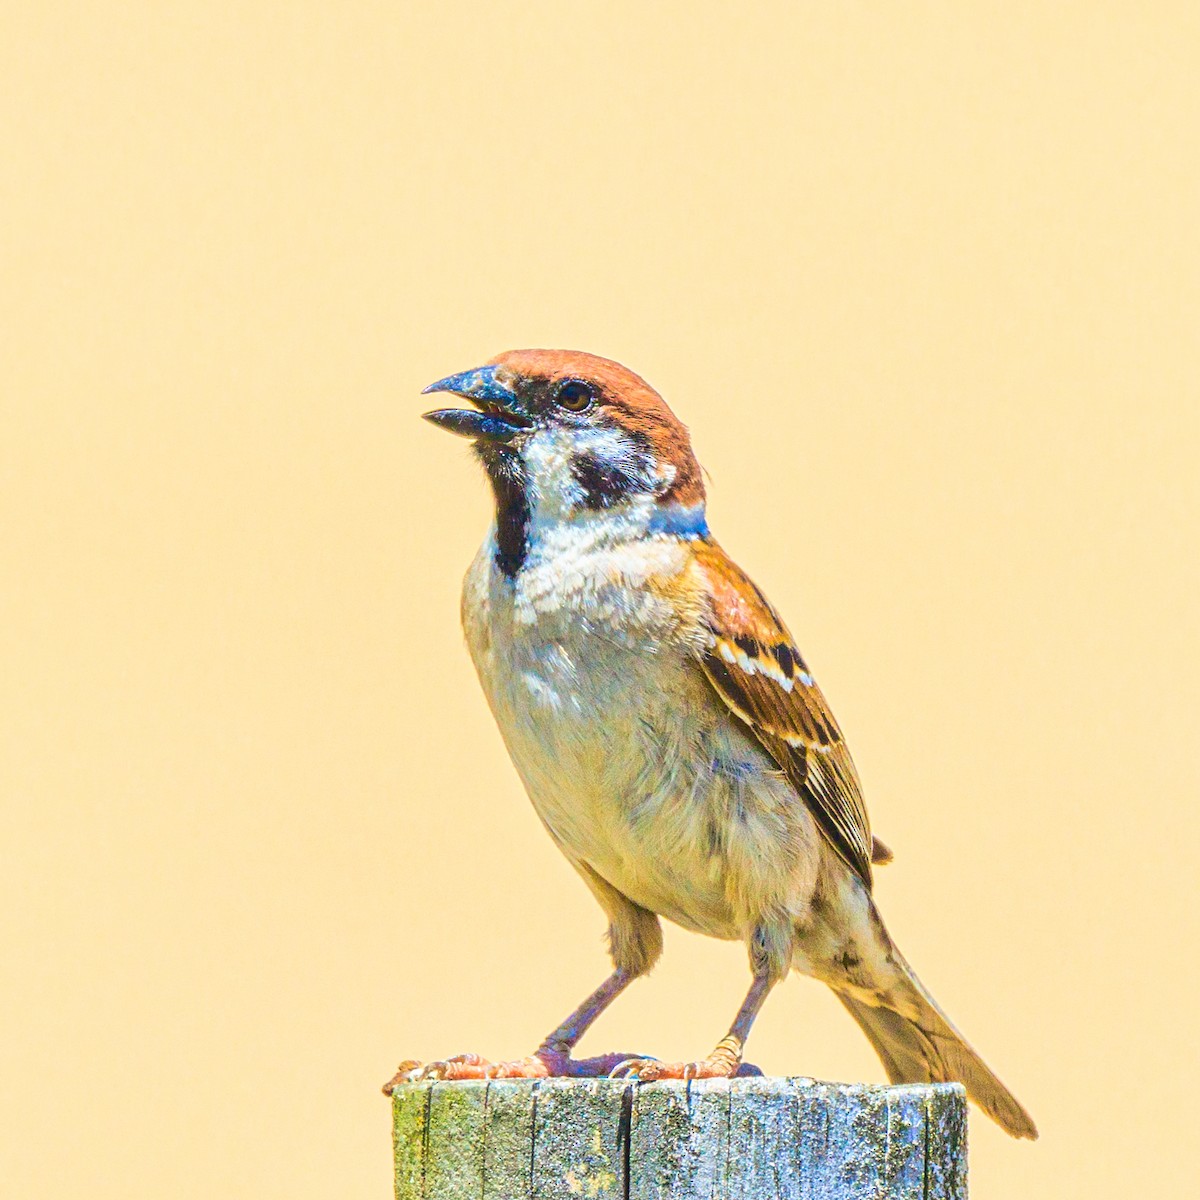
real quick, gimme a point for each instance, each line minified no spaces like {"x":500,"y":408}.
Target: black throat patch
{"x":506,"y":472}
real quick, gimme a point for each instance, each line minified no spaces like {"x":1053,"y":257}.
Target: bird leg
{"x":726,"y":1059}
{"x":551,"y":1058}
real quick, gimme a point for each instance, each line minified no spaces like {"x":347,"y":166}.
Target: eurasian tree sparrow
{"x":668,"y":731}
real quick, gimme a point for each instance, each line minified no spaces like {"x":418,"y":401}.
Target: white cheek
{"x":549,"y":457}
{"x":552,"y":486}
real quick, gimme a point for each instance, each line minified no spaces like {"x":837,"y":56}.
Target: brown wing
{"x":754,"y":666}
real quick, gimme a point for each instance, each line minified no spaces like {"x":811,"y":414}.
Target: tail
{"x":926,"y":1048}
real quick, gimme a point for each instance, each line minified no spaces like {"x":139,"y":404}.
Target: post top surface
{"x":750,"y":1085}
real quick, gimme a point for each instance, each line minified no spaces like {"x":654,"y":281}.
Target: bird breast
{"x":587,"y":661}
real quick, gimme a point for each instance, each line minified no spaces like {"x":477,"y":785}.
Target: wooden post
{"x":716,"y":1139}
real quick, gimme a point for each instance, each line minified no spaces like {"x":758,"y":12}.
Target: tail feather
{"x":928,"y":1049}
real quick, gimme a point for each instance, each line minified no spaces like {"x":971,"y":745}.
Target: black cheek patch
{"x":601,"y":483}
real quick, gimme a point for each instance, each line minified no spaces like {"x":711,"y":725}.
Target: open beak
{"x":495,"y":417}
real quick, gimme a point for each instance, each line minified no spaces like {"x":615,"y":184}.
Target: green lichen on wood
{"x":662,"y":1142}
{"x":946,"y":1143}
{"x":456,"y":1128}
{"x":508,"y":1140}
{"x":749,"y":1139}
{"x":581,"y":1131}
{"x":410,"y":1122}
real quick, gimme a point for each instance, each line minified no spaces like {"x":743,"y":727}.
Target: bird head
{"x":567,"y":435}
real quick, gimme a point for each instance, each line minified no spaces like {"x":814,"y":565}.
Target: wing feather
{"x":752,"y":663}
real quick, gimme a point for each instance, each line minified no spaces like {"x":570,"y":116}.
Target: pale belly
{"x":635,"y":770}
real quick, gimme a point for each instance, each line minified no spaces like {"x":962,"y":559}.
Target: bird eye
{"x":574,"y":395}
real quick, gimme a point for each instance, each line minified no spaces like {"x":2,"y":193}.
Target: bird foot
{"x":718,"y":1065}
{"x":472,"y":1066}
{"x":546,"y":1063}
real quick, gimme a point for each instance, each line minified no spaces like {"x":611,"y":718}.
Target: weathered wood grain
{"x":749,"y":1139}
{"x":456,"y":1129}
{"x":581,"y":1138}
{"x":508,"y":1140}
{"x":946,"y":1144}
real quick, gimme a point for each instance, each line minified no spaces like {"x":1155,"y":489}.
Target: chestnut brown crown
{"x":617,"y":395}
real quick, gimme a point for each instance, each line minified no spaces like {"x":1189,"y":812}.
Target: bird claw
{"x":409,"y":1071}
{"x":717,"y":1066}
{"x":541,"y":1065}
{"x":460,"y":1066}
{"x":634,"y":1068}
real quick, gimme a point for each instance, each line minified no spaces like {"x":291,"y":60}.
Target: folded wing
{"x":754,"y":666}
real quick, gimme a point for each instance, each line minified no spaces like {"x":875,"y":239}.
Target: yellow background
{"x":923,"y":280}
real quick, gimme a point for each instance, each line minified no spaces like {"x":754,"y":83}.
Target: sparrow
{"x":668,"y":731}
